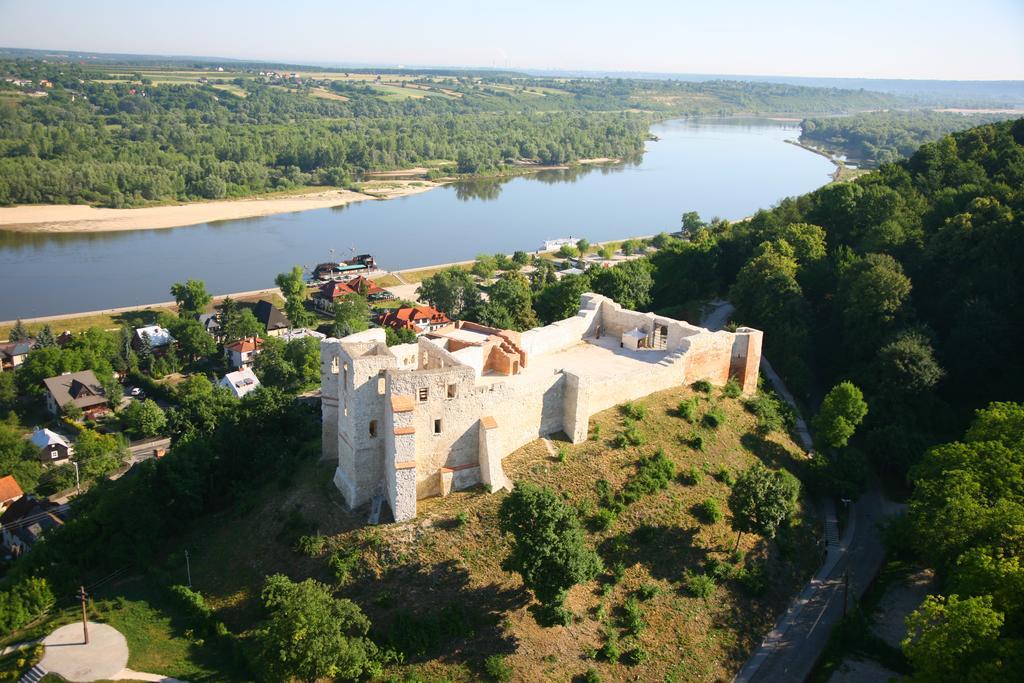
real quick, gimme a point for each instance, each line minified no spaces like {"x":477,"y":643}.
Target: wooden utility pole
{"x":82,"y":595}
{"x":188,"y":569}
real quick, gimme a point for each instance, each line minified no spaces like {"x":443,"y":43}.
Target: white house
{"x":159,"y":337}
{"x":52,"y":446}
{"x":241,"y":382}
{"x":242,"y":353}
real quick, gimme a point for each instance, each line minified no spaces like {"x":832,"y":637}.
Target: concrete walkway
{"x":105,"y":657}
{"x":67,"y":654}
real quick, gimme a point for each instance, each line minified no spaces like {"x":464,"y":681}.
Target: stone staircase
{"x":33,"y":675}
{"x":671,"y":358}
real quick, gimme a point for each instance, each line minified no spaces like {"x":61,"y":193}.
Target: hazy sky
{"x":980,"y":39}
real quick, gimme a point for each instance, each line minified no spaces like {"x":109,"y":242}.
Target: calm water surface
{"x":718,"y":168}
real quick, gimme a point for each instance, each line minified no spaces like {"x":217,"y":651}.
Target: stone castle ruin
{"x":418,"y":420}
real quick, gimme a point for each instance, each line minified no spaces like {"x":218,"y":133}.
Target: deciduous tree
{"x":549,"y":550}
{"x":761,"y":500}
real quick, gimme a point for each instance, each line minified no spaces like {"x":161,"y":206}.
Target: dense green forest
{"x":123,"y":139}
{"x":874,"y":138}
{"x":906,"y":282}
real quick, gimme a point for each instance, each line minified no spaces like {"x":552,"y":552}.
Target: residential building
{"x":10,"y":491}
{"x":419,"y":319}
{"x":159,"y":338}
{"x":240,"y":382}
{"x":330,"y":292}
{"x":52,"y":446}
{"x":13,"y":354}
{"x":242,"y":353}
{"x":211,"y":323}
{"x":80,"y":388}
{"x":415,"y":420}
{"x":26,"y":519}
{"x":272,"y":317}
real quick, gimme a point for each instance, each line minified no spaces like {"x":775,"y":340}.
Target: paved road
{"x":791,"y":650}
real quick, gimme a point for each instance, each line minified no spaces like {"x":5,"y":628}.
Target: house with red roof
{"x":10,"y":491}
{"x":330,"y":292}
{"x":242,"y":353}
{"x":419,"y":319}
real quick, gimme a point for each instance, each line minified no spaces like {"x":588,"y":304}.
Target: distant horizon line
{"x":543,"y":71}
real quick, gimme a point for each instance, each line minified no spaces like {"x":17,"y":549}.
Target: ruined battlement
{"x":418,"y":420}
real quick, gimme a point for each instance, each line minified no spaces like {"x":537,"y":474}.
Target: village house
{"x":415,"y":420}
{"x":330,"y":292}
{"x":160,"y":339}
{"x":52,"y":446}
{"x":273,"y":318}
{"x":79,"y":388}
{"x":26,"y":519}
{"x":419,"y":319}
{"x":240,"y":382}
{"x":242,"y":353}
{"x":13,"y":354}
{"x":211,"y":323}
{"x":10,"y":491}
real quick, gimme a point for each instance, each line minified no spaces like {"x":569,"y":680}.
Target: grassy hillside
{"x":435,"y":590}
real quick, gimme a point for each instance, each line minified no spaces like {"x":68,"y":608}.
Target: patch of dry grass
{"x":441,"y":574}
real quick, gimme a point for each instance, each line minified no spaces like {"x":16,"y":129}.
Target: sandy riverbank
{"x":81,"y":218}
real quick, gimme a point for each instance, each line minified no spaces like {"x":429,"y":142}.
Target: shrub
{"x":630,"y":435}
{"x":632,"y":617}
{"x":616,"y":572}
{"x":634,"y":411}
{"x":693,"y":476}
{"x":595,"y":433}
{"x":701,"y":385}
{"x":718,"y":569}
{"x":610,"y":650}
{"x":652,"y":473}
{"x":710,"y":511}
{"x":23,"y":602}
{"x":700,"y":585}
{"x":497,"y":668}
{"x":725,"y":475}
{"x":562,"y":454}
{"x":714,"y":418}
{"x":636,"y":656}
{"x":461,"y":519}
{"x":343,"y":563}
{"x":591,"y":676}
{"x":772,"y":415}
{"x":604,"y":519}
{"x":311,"y":546}
{"x":753,"y":579}
{"x":732,"y":388}
{"x":648,"y":591}
{"x":688,"y":409}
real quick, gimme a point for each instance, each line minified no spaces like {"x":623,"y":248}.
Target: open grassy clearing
{"x":434,"y":587}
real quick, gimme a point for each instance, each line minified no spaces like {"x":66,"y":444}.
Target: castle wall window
{"x":453,"y":390}
{"x":437,"y":426}
{"x":424,"y":394}
{"x":373,"y":429}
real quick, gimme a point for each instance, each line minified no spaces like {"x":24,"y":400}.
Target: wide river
{"x":726,"y":168}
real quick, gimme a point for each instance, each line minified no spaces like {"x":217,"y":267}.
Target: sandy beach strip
{"x":54,"y":218}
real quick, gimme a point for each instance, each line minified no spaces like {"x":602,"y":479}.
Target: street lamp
{"x":78,"y":481}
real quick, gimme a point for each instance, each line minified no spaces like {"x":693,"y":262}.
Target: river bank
{"x":51,"y":218}
{"x":80,"y":218}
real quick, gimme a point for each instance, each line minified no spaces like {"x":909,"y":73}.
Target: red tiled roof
{"x":9,"y":489}
{"x":412,"y":318}
{"x":336,"y":290}
{"x":245,"y":345}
